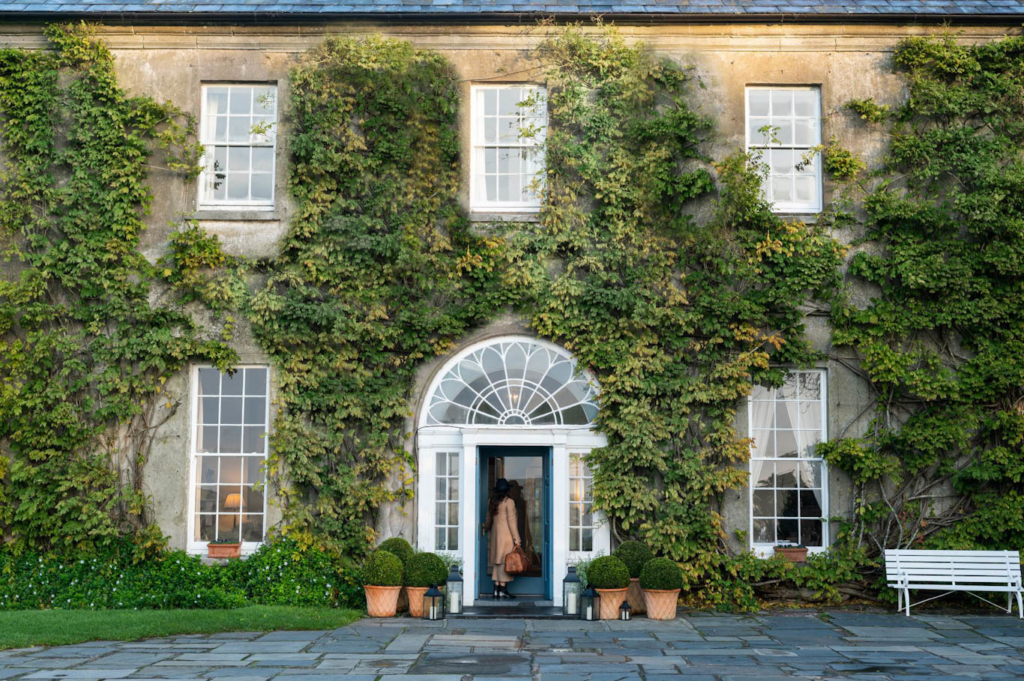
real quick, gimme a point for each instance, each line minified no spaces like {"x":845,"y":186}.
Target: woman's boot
{"x":506,"y":594}
{"x":497,"y":591}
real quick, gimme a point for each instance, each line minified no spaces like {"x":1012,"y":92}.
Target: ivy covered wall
{"x":655,"y":261}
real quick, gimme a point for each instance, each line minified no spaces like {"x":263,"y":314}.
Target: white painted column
{"x":426,"y":492}
{"x":469,"y":533}
{"x":559,"y":515}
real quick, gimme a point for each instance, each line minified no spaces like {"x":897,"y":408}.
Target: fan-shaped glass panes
{"x":513,"y":383}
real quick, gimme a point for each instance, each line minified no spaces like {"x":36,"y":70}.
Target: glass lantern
{"x":625,"y":611}
{"x":433,"y":604}
{"x":590,"y":605}
{"x":572,"y":589}
{"x":454,"y":591}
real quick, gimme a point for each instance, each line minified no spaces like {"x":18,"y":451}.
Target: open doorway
{"x":528,"y":470}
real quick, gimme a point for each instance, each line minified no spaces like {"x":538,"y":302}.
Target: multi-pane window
{"x":509,"y":126}
{"x":446,"y":522}
{"x":230,"y":447}
{"x":788,"y":482}
{"x":784,"y":124}
{"x":239,"y":132}
{"x":581,"y":505}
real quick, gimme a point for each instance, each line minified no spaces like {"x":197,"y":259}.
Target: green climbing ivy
{"x":942,"y":339}
{"x":86,"y":346}
{"x":379,"y":271}
{"x":677,"y":318}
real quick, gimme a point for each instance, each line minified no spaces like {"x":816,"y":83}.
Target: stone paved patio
{"x":811,"y":645}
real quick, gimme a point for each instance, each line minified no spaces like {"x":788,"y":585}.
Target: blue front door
{"x":528,"y":470}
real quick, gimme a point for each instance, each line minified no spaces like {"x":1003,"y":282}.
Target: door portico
{"x":534,"y":398}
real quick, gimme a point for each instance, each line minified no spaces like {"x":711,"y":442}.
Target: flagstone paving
{"x":711,"y":647}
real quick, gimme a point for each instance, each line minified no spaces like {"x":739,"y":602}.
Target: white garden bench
{"x":950,"y":571}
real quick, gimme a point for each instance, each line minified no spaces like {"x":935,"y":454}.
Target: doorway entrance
{"x":528,"y":470}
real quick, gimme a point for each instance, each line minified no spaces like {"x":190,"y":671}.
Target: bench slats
{"x":971,"y":571}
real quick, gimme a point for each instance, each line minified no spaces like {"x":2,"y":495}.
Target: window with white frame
{"x":581,"y":505}
{"x":508,"y":130}
{"x":239,"y":133}
{"x":230,"y":420}
{"x":784,"y":124}
{"x":788,"y":481}
{"x":446,"y":523}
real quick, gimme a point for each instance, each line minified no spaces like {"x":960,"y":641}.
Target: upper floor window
{"x":229,"y":448}
{"x":788,"y":480}
{"x":509,"y":126}
{"x":785,"y":123}
{"x":239,"y":132}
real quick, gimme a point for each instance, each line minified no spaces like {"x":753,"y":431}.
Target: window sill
{"x":807,"y":218}
{"x":237,"y":215}
{"x":768,"y":550}
{"x":504,"y":216}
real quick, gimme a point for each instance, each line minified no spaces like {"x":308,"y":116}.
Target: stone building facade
{"x":228,"y":64}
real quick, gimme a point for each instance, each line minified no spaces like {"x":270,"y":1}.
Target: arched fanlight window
{"x":513,"y":383}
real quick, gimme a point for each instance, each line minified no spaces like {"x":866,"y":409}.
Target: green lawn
{"x":21,"y":629}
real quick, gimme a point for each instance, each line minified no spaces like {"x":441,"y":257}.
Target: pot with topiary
{"x":610,"y":577}
{"x":382,"y":582}
{"x":403,"y":550}
{"x":422,"y":571}
{"x":635,"y":555}
{"x":223,"y":548}
{"x":662,"y":580}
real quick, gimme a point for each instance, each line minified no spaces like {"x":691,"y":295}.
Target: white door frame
{"x":467,"y":441}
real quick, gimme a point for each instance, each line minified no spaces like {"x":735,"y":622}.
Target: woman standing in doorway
{"x":503,"y":532}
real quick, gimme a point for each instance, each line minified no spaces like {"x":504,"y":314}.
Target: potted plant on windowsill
{"x":382,"y":581}
{"x":794,"y":553}
{"x":223,"y":548}
{"x":403,"y":550}
{"x":635,"y":555}
{"x":422,"y":571}
{"x":610,"y":577}
{"x":662,"y":580}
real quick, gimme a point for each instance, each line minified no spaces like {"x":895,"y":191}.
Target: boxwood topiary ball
{"x":635,"y":555}
{"x":397,"y":546}
{"x":383,"y":569}
{"x":608,"y":572}
{"x":661,"y":574}
{"x":425,"y":569}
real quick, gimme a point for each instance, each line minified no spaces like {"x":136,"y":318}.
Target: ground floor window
{"x":787,"y":480}
{"x":581,"y":505}
{"x":230,"y":423}
{"x":447,"y":519}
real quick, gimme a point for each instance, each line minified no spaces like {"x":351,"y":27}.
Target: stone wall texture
{"x":172,"y":62}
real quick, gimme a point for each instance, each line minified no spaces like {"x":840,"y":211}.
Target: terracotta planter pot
{"x":381,"y":601}
{"x":415,"y":596}
{"x":611,"y":599}
{"x":635,"y":596}
{"x":661,"y":603}
{"x":793,"y":554}
{"x":223,"y":550}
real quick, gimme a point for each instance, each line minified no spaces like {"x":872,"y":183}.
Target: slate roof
{"x":879,"y":10}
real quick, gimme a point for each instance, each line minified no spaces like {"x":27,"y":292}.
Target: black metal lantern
{"x":572,"y":589}
{"x":454,"y":591}
{"x":433,"y":604}
{"x":590,"y":605}
{"x":625,"y":611}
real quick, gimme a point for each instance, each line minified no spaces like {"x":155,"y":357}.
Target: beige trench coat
{"x":504,"y":531}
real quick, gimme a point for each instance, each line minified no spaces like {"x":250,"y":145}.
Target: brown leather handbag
{"x":516,"y":562}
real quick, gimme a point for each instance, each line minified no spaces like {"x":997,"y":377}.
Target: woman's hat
{"x":502,"y":485}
